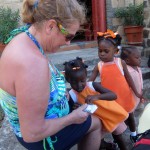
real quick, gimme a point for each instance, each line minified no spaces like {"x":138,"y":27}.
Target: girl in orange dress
{"x":109,"y":111}
{"x":115,"y":76}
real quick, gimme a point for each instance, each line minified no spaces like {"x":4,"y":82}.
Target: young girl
{"x":132,"y":57}
{"x":109,"y":111}
{"x":115,"y":76}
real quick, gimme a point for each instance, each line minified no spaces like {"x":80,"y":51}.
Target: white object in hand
{"x":91,"y":108}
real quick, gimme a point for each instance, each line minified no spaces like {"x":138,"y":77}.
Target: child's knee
{"x":96,"y":123}
{"x":120,"y":129}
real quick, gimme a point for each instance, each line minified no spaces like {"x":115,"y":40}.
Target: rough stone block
{"x":127,"y":2}
{"x":121,"y":30}
{"x":138,"y":1}
{"x":116,"y":21}
{"x":146,"y":33}
{"x":148,"y":43}
{"x":117,"y":3}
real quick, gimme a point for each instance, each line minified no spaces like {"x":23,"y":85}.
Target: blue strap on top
{"x":35,"y":41}
{"x":48,"y":139}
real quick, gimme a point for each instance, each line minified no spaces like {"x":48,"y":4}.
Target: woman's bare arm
{"x":32,"y":92}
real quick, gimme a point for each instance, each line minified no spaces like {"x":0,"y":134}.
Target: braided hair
{"x":115,"y":41}
{"x":110,"y":36}
{"x":74,"y":66}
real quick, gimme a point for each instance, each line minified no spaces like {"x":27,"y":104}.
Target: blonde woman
{"x":32,"y":90}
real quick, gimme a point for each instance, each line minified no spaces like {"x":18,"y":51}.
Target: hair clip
{"x":108,"y":34}
{"x":119,"y":47}
{"x":35,"y":5}
{"x":75,"y":68}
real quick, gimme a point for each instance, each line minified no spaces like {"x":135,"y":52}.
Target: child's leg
{"x":131,"y":123}
{"x":120,"y":141}
{"x":107,"y":145}
{"x":118,"y":138}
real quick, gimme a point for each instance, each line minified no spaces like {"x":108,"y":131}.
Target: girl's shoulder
{"x":116,"y":61}
{"x":135,"y":69}
{"x":90,"y":85}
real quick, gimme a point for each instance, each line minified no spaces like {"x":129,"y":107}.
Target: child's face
{"x":134,"y":58}
{"x":78,"y":82}
{"x":106,"y":51}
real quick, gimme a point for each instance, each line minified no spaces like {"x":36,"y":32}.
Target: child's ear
{"x":127,"y":60}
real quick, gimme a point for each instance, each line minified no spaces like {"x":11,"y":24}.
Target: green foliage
{"x":9,"y":20}
{"x":131,"y":15}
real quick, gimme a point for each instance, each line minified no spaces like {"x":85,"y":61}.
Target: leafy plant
{"x":131,"y":15}
{"x":9,"y":20}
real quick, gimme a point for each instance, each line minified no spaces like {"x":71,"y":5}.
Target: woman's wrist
{"x":70,"y":118}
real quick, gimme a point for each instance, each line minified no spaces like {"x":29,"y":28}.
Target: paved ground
{"x":7,"y":139}
{"x":91,"y":58}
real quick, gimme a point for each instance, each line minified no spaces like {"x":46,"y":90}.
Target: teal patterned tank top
{"x":57,"y":103}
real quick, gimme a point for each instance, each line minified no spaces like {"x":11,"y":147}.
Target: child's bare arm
{"x":94,"y":73}
{"x":129,"y":80}
{"x":105,"y":94}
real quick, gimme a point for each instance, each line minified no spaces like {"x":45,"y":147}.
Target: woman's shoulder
{"x":22,"y":56}
{"x":24,"y":51}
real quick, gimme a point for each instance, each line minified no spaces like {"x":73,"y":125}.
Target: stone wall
{"x":112,"y":22}
{"x":116,"y":24}
{"x":146,"y":32}
{"x":14,"y":4}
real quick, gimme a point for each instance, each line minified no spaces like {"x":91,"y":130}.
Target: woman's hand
{"x":78,"y":115}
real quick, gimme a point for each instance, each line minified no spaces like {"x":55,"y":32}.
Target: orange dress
{"x":110,"y":112}
{"x":112,"y":77}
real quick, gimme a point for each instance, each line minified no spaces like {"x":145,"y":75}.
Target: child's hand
{"x":90,"y":98}
{"x":142,"y":100}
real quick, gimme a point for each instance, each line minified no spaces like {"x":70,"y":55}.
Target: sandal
{"x":108,"y":145}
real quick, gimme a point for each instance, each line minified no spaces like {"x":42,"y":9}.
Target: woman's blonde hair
{"x":63,"y":11}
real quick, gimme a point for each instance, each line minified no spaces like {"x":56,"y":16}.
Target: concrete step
{"x":90,"y":56}
{"x":145,"y":71}
{"x":146,"y":52}
{"x":79,"y":45}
